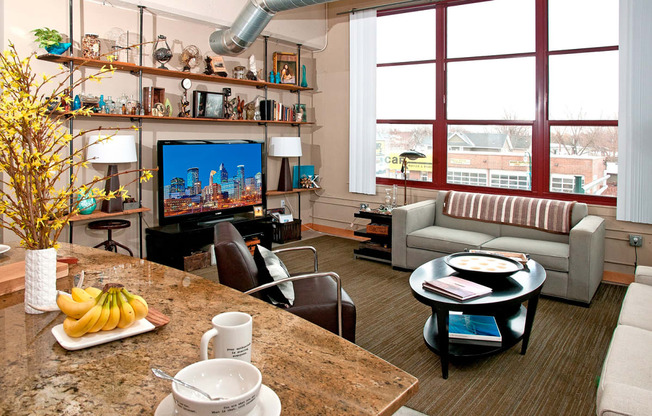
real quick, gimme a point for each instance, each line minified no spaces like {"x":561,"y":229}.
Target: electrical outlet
{"x":282,"y":203}
{"x":635,"y":240}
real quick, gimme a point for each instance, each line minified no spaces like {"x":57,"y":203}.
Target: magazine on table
{"x":456,"y":288}
{"x":473,"y":329}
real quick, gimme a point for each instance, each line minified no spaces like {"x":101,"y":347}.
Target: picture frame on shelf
{"x":285,"y":64}
{"x":300,"y":113}
{"x":215,"y":66}
{"x":258,"y":211}
{"x":208,"y":104}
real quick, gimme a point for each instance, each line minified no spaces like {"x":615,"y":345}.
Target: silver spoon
{"x":162,"y":374}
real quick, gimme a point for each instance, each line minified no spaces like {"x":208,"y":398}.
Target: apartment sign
{"x":518,"y":163}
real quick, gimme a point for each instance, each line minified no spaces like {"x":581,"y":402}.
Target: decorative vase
{"x":58,"y":49}
{"x":40,"y":279}
{"x":86,"y":205}
{"x":304,"y":82}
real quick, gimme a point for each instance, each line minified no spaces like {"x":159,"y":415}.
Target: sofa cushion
{"x":442,"y":220}
{"x":637,"y":308}
{"x":551,"y":255}
{"x":446,"y":240}
{"x":627,"y":365}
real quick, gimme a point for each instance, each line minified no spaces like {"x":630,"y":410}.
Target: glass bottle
{"x":109,"y":107}
{"x":394,"y":196}
{"x":388,"y":198}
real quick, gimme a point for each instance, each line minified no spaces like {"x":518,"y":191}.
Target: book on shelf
{"x":271,"y":110}
{"x":456,"y":288}
{"x":473,"y":329}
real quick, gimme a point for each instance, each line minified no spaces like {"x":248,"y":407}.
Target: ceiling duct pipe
{"x":250,"y":23}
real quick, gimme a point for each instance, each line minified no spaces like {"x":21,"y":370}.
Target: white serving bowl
{"x":237,"y":381}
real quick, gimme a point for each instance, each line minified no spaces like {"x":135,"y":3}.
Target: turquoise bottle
{"x":304,"y":82}
{"x":76,"y":105}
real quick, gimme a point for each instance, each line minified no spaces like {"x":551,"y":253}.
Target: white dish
{"x":487,"y":264}
{"x":268,"y":404}
{"x":4,"y":248}
{"x":102,"y":337}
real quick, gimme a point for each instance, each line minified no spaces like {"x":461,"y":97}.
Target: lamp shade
{"x":117,"y":149}
{"x":285,"y":146}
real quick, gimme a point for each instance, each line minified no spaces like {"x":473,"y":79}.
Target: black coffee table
{"x":505,"y":303}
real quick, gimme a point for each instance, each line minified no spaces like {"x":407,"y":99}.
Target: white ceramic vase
{"x":40,"y":279}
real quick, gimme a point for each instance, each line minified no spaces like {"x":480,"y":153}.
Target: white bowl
{"x":237,"y":381}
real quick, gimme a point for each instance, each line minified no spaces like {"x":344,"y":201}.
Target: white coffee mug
{"x":231,"y":334}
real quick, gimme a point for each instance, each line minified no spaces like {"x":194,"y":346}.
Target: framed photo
{"x":208,"y":104}
{"x":300,"y":113}
{"x":258,"y":211}
{"x":285,"y":64}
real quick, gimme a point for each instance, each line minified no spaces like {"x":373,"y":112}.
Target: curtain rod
{"x":390,"y":5}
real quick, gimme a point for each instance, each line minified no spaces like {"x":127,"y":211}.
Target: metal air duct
{"x":250,"y":23}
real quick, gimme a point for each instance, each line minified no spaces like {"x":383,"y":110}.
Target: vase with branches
{"x":40,"y":170}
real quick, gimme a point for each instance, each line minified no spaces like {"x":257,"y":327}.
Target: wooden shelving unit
{"x":293,"y":191}
{"x":97,"y":214}
{"x":191,"y":119}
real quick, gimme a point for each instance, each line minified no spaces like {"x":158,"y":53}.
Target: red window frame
{"x":540,"y":186}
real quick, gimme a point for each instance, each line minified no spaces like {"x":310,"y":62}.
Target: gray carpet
{"x":557,"y":376}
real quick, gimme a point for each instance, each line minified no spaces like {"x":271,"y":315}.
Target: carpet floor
{"x":557,"y":376}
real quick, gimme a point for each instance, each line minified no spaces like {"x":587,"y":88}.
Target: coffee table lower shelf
{"x":511,"y":329}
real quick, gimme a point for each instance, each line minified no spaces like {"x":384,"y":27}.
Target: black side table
{"x":379,"y":245}
{"x":110,"y":225}
{"x":505,"y":303}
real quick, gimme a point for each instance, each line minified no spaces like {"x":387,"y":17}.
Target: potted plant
{"x":50,"y":40}
{"x":40,"y":181}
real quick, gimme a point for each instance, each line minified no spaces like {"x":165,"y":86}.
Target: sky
{"x":579,"y":83}
{"x":178,"y":158}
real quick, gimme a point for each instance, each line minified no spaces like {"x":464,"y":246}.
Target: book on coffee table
{"x":473,"y":329}
{"x":456,"y":288}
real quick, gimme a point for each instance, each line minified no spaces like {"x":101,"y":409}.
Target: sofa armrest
{"x":643,"y":274}
{"x":586,"y":258}
{"x":405,"y":220}
{"x":616,"y":399}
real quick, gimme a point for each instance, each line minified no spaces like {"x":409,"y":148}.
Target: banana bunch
{"x":91,"y":310}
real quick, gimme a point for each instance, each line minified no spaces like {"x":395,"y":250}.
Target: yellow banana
{"x":114,"y":314}
{"x":138,"y":303}
{"x":73,"y":308}
{"x":80,"y":295}
{"x":93,"y":291}
{"x":104,"y":317}
{"x":127,"y":314}
{"x":77,"y":327}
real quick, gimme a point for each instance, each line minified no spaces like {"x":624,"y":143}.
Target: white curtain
{"x":362,"y":103}
{"x":635,"y":112}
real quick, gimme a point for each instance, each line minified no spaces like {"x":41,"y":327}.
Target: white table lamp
{"x":285,"y":147}
{"x":117,"y":149}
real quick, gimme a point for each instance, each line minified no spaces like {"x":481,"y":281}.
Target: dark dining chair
{"x":319,"y":297}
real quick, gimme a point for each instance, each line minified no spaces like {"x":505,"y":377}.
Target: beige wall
{"x":22,"y":17}
{"x":335,"y":206}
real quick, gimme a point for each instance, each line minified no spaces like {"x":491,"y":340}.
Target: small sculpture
{"x":162,"y":54}
{"x":250,"y":110}
{"x":271,"y":77}
{"x":251,"y":74}
{"x":277,"y":80}
{"x":240,"y":107}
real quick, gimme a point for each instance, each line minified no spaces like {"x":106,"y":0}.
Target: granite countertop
{"x":313,"y":371}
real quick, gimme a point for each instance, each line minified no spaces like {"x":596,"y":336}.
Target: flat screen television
{"x":202,"y":181}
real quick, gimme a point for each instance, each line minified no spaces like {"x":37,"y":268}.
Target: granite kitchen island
{"x":313,"y":371}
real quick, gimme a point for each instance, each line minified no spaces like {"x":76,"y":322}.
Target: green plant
{"x":47,"y":37}
{"x":39,"y":181}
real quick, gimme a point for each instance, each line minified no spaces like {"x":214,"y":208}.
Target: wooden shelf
{"x":294,"y":191}
{"x":192,"y":119}
{"x":128,"y":67}
{"x":97,"y":214}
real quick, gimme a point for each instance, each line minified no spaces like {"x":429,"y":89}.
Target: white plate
{"x":102,"y":337}
{"x":4,"y":248}
{"x":268,"y":404}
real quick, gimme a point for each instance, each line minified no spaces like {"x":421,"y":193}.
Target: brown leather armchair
{"x":319,"y":297}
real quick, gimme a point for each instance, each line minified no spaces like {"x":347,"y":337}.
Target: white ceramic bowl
{"x":237,"y":381}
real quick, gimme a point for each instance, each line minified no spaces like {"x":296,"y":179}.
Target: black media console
{"x":169,"y":244}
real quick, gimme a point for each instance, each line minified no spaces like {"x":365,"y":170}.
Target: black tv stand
{"x":169,"y":244}
{"x":211,"y":223}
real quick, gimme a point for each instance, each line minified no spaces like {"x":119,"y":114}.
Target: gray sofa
{"x":573,"y":262}
{"x":625,"y":384}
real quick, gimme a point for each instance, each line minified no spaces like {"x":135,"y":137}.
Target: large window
{"x":513,"y":95}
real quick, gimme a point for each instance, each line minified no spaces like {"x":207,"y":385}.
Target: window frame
{"x":541,"y":181}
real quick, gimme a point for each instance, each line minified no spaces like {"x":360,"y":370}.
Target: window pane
{"x":406,"y":37}
{"x":497,"y":89}
{"x":496,"y":156}
{"x":491,"y":28}
{"x":584,"y":159}
{"x":574,"y":24}
{"x":405,"y":92}
{"x":394,"y":139}
{"x":584,"y":86}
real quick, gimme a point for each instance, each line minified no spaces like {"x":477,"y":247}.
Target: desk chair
{"x":318,"y":296}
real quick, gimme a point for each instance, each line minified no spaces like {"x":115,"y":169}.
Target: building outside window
{"x":517,"y":95}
